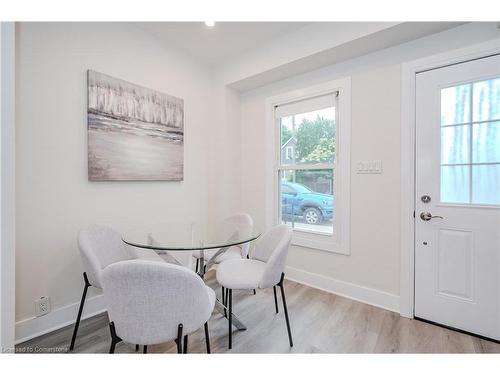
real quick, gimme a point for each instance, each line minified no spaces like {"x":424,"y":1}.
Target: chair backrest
{"x":242,"y":221}
{"x":99,"y":247}
{"x":148,"y":300}
{"x":272,"y":248}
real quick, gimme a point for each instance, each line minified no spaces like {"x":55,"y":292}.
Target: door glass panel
{"x":486,"y":184}
{"x":486,"y":143}
{"x":455,"y":184}
{"x":455,"y":105}
{"x":470,"y":143}
{"x":455,"y":144}
{"x":486,"y":100}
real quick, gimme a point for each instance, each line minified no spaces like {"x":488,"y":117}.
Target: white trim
{"x":7,"y":187}
{"x":408,"y":74}
{"x":352,"y":291}
{"x":59,"y":318}
{"x":340,"y":241}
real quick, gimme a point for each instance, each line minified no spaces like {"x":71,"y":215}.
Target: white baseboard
{"x":352,"y":291}
{"x":59,"y":318}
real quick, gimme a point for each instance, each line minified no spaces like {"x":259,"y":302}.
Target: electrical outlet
{"x":42,"y":306}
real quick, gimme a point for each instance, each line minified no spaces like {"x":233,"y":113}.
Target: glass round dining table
{"x":169,"y":237}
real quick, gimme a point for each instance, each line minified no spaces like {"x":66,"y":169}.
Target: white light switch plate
{"x":369,"y":166}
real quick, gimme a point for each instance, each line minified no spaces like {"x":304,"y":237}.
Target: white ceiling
{"x":215,"y":45}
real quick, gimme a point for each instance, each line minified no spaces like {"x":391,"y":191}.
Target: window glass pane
{"x":308,"y":137}
{"x":455,"y":184}
{"x":486,"y":143}
{"x":486,"y":100}
{"x":306,"y":199}
{"x":455,"y":144}
{"x":486,"y":184}
{"x":455,"y":105}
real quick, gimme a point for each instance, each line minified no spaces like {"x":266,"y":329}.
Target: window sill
{"x":319,"y":241}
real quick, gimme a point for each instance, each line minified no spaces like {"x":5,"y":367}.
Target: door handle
{"x":426,"y":216}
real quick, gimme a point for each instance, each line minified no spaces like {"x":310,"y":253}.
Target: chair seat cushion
{"x":234,"y":252}
{"x":240,"y":273}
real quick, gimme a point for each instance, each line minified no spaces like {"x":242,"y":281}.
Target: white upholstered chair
{"x":264,"y":269}
{"x":99,"y":247}
{"x":234,"y":252}
{"x":151,"y":303}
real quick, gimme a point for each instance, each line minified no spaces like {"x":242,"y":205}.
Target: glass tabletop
{"x":190,"y":235}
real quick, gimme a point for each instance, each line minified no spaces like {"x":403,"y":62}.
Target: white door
{"x":457,"y":251}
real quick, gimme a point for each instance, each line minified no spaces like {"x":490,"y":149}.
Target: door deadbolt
{"x":425,"y":198}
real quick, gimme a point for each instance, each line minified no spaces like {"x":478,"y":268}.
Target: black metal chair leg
{"x":136,"y":347}
{"x":179,"y":338}
{"x":286,"y":310}
{"x":114,"y":338}
{"x":80,"y":310}
{"x":254,"y":292}
{"x":185,"y":344}
{"x":145,"y":349}
{"x":227,"y":293}
{"x":207,"y":338}
{"x":197,"y":264}
{"x":230,"y":303}
{"x":224,"y":300}
{"x":275,"y":299}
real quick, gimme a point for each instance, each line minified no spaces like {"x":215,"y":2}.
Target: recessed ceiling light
{"x":210,"y":23}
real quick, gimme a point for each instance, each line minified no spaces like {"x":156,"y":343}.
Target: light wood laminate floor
{"x":321,"y":323}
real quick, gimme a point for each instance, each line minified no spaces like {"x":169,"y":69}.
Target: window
{"x":306,"y":183}
{"x":470,"y":143}
{"x":311,"y":191}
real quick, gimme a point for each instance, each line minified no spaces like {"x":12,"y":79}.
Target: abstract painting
{"x":134,"y":133}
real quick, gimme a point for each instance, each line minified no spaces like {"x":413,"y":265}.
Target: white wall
{"x":371,"y":271}
{"x":225,"y":158}
{"x":54,"y":197}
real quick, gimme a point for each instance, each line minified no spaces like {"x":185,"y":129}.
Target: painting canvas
{"x":134,"y":133}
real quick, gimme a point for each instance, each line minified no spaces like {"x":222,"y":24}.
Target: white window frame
{"x":289,"y":152}
{"x":339,"y":241}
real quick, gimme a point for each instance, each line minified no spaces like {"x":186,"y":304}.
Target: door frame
{"x":409,"y":71}
{"x":7,"y":187}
